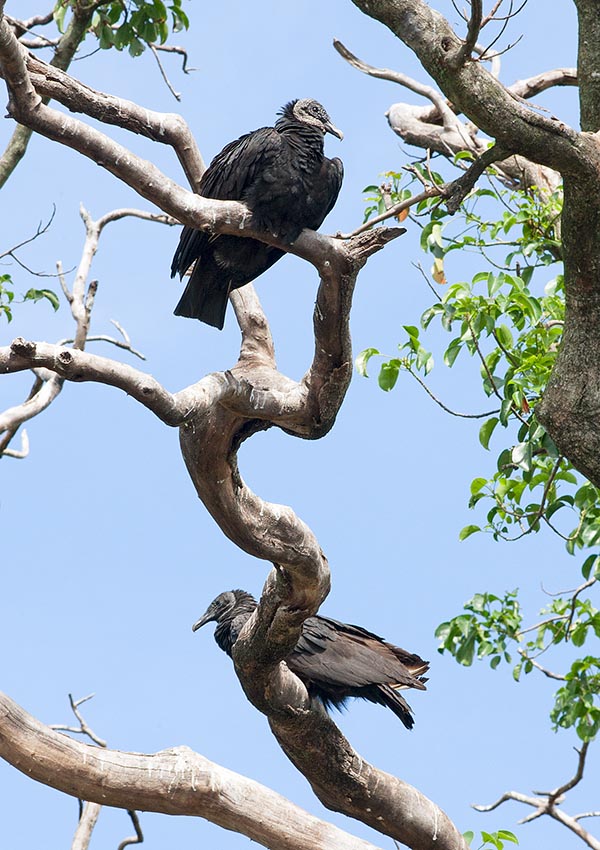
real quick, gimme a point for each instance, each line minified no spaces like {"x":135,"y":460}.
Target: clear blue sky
{"x":108,"y":556}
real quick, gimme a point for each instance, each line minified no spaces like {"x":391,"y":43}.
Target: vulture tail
{"x":205,"y":298}
{"x":392,"y":699}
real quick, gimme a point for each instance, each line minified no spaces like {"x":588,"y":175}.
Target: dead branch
{"x":85,"y":827}
{"x":80,"y":299}
{"x":547,"y":803}
{"x":176,"y":781}
{"x":439,"y":128}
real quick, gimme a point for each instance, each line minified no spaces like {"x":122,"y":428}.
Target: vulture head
{"x":311,"y":112}
{"x":226,"y":606}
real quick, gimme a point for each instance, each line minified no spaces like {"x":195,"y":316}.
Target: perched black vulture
{"x":283,"y":177}
{"x":334,"y":660}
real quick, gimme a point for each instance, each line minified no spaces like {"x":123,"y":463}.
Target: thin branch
{"x":176,"y":95}
{"x":40,"y":230}
{"x":83,"y":728}
{"x":166,"y":128}
{"x":473,"y":30}
{"x":21,"y":453}
{"x":548,"y":673}
{"x":547,"y":803}
{"x":491,"y":14}
{"x":85,"y":827}
{"x":430,"y":192}
{"x":73,"y":365}
{"x":562,"y":789}
{"x":138,"y":838}
{"x":442,"y":405}
{"x":579,"y":590}
{"x":181,"y":51}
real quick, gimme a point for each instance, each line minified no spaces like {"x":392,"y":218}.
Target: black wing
{"x":229,"y":176}
{"x":346,"y":656}
{"x":332,"y":175}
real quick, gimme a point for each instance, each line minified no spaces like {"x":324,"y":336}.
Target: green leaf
{"x":38,"y":294}
{"x":469,"y":835}
{"x":452,"y":351}
{"x":591,"y":563}
{"x":506,"y":835}
{"x":477,"y":484}
{"x":388,"y":375}
{"x":486,"y":431}
{"x":467,"y":531}
{"x":504,"y":336}
{"x":362,"y":360}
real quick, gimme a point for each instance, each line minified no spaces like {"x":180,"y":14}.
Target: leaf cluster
{"x":491,"y":839}
{"x":131,"y":25}
{"x":508,"y":318}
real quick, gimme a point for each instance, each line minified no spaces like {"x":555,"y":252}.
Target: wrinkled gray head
{"x":310,"y":111}
{"x":226,"y":606}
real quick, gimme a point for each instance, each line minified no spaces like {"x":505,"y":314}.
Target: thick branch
{"x":439,"y":128}
{"x":588,"y":64}
{"x":164,"y":127}
{"x":72,"y":365}
{"x":473,"y":89}
{"x":176,"y":781}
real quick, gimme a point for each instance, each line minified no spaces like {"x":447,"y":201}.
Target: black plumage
{"x":283,"y":177}
{"x":334,"y":660}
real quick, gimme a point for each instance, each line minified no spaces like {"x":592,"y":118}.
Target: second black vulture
{"x":334,"y":660}
{"x":284,"y":178}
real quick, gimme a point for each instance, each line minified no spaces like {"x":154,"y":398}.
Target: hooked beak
{"x":204,"y":619}
{"x":331,"y":128}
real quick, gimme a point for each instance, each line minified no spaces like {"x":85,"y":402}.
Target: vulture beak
{"x":204,"y":619}
{"x":331,"y":128}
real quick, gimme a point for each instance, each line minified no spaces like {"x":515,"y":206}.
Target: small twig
{"x":163,"y":73}
{"x":547,"y":802}
{"x":539,"y":667}
{"x":540,"y":624}
{"x":473,"y":30}
{"x":579,"y":590}
{"x":562,"y":789}
{"x":431,"y":192}
{"x":441,"y":404}
{"x":84,"y":728}
{"x":138,"y":838}
{"x":174,"y":48}
{"x":491,"y":14}
{"x":104,"y":338}
{"x":40,"y":230}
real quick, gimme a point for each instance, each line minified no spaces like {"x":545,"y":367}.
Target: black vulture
{"x":283,"y":177}
{"x":334,"y":660}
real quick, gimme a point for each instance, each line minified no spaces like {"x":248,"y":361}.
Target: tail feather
{"x":205,"y":298}
{"x":393,"y":700}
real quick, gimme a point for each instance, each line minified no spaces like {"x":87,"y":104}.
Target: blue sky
{"x":108,"y":557}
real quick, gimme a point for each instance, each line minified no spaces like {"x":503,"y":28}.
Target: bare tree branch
{"x":547,"y":803}
{"x":176,"y":781}
{"x":81,"y":300}
{"x":166,"y":128}
{"x":474,"y":27}
{"x":138,"y":838}
{"x":85,"y":827}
